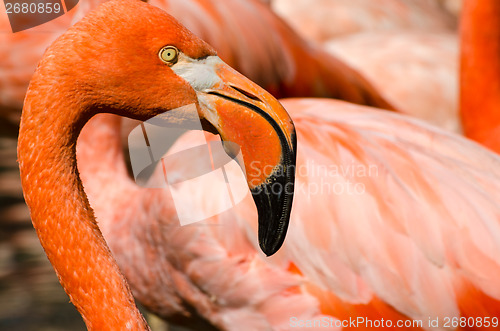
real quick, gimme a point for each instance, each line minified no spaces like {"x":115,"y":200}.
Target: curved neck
{"x":480,"y":71}
{"x":62,"y":216}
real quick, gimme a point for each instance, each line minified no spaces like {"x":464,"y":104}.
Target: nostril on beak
{"x":245,"y":93}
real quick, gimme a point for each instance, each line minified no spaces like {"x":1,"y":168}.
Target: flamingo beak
{"x":247,"y":115}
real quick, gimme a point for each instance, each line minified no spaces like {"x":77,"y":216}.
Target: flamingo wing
{"x":389,"y":212}
{"x":415,"y":217}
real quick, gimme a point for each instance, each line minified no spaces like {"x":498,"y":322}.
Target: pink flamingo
{"x":417,"y":238}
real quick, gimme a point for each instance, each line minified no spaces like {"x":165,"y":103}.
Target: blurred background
{"x":354,"y":30}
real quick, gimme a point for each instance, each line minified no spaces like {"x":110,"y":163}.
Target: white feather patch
{"x":200,"y":74}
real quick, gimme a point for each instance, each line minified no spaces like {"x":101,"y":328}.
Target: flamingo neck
{"x":62,"y":216}
{"x":480,"y":71}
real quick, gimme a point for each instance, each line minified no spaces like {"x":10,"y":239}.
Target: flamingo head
{"x":135,"y":60}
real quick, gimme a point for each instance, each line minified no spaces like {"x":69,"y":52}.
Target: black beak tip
{"x":271,"y":245}
{"x":274,"y":203}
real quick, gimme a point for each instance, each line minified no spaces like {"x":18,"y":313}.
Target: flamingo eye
{"x":168,"y":54}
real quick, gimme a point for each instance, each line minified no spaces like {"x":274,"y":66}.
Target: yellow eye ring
{"x":168,"y":54}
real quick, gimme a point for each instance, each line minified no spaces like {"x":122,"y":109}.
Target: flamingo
{"x":417,"y":242}
{"x":21,"y":51}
